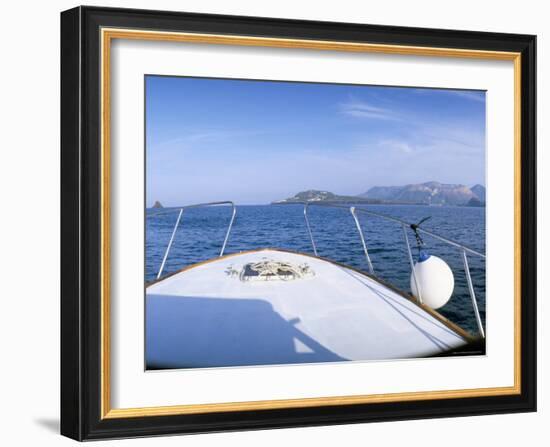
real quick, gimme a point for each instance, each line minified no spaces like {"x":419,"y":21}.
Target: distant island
{"x":313,"y":195}
{"x":479,"y":192}
{"x":429,"y":193}
{"x":157,"y":204}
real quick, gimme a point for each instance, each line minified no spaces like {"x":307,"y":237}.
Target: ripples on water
{"x":202,"y":231}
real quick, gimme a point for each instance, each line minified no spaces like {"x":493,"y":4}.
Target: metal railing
{"x":353,"y":210}
{"x":181,"y":209}
{"x":404,"y":225}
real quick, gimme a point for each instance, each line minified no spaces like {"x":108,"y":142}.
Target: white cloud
{"x":472,"y":95}
{"x":221,"y":134}
{"x":207,"y":135}
{"x":362,"y":109}
{"x":400,"y":146}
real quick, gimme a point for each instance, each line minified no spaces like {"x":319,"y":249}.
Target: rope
{"x":269,"y":269}
{"x":414,"y":227}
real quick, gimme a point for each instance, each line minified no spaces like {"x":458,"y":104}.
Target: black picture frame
{"x":81,"y":223}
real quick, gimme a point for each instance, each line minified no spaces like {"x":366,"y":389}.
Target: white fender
{"x":435,"y":280}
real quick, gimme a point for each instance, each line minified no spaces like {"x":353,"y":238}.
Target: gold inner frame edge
{"x":107,"y":34}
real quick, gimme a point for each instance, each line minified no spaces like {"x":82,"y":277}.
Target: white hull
{"x":205,"y":317}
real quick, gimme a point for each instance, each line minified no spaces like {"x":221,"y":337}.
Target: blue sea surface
{"x":202,"y":230}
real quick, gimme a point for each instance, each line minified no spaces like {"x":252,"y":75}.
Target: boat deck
{"x":206,"y":316}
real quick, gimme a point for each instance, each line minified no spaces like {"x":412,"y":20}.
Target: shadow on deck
{"x":200,"y":332}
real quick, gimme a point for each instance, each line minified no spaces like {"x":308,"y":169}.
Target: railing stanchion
{"x":197,"y":205}
{"x":228,"y":229}
{"x":170,"y":243}
{"x":421,"y":230}
{"x":309,"y":230}
{"x":472,"y":294}
{"x":352,"y":210}
{"x":415,"y":279}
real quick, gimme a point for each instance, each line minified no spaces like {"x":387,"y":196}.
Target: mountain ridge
{"x":427,"y":193}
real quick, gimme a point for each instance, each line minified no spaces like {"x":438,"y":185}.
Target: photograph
{"x":290,"y":222}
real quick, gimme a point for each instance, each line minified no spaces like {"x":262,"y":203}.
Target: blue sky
{"x":256,"y":141}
